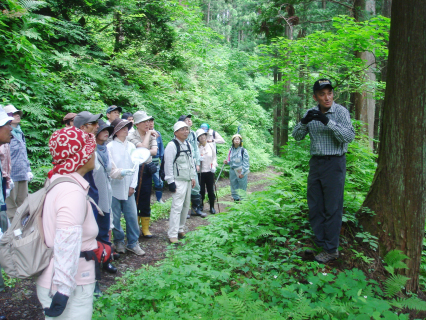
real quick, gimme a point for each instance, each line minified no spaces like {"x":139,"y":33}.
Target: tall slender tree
{"x":397,"y":195}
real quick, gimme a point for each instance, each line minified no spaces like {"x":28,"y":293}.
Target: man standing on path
{"x":157,"y":159}
{"x":330,"y":130}
{"x":112,"y":113}
{"x":88,"y":123}
{"x":21,"y":172}
{"x":179,"y":169}
{"x":195,"y":192}
{"x":5,"y":136}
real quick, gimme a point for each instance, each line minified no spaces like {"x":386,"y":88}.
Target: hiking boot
{"x":120,"y":248}
{"x":174,"y":240}
{"x":137,"y":250}
{"x":181,"y":235}
{"x":325,"y":257}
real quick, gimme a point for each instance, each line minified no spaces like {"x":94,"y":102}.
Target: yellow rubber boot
{"x":145,"y":227}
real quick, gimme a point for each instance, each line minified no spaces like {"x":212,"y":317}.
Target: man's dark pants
{"x":326,"y":182}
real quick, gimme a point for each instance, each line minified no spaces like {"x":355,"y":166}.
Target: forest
{"x":247,"y":66}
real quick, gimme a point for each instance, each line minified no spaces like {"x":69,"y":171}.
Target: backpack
{"x":29,"y":256}
{"x":178,"y":151}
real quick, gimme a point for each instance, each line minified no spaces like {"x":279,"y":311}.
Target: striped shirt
{"x":330,"y":139}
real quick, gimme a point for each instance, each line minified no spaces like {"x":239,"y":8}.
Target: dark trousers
{"x":143,"y":192}
{"x":326,"y":182}
{"x":207,"y":180}
{"x":103,"y":226}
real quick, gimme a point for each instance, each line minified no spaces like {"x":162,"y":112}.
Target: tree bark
{"x":365,"y":104}
{"x":277,"y":116}
{"x":324,"y":4}
{"x":118,"y":31}
{"x":397,"y":195}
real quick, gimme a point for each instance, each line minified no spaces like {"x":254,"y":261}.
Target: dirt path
{"x":21,"y":301}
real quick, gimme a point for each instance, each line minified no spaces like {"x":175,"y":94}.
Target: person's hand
{"x":210,"y":141}
{"x":8,"y":193}
{"x":192,"y":183}
{"x":153,"y":133}
{"x":308,"y":118}
{"x":131,"y":191}
{"x":172,"y":187}
{"x":198,"y":168}
{"x":225,"y":161}
{"x":241,"y":176}
{"x":58,"y":305}
{"x":319,"y":116}
{"x":30,"y":176}
{"x":213,"y":169}
{"x":127,"y":172}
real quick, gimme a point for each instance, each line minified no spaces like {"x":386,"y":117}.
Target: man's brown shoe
{"x":173,"y":240}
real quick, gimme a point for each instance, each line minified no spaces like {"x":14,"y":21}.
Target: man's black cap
{"x":321,"y":84}
{"x":112,"y":108}
{"x":183,"y":117}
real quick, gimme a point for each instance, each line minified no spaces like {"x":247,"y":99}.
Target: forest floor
{"x":20,"y":302}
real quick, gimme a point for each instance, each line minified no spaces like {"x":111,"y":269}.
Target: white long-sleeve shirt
{"x":119,"y":155}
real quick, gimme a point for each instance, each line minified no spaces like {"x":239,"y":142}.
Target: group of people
{"x":108,"y":184}
{"x":97,"y":156}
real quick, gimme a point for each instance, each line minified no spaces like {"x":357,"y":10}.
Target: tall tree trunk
{"x":386,"y":12}
{"x":208,"y":13}
{"x":365,"y":104}
{"x":324,"y":4}
{"x":118,"y":31}
{"x":397,"y":195}
{"x":277,"y":115}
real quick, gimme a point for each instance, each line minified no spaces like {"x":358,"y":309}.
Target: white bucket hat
{"x":11,"y":109}
{"x":179,"y":125}
{"x":200,"y":132}
{"x":141,"y":116}
{"x":4,"y":118}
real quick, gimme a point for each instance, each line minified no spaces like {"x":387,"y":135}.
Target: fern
{"x":32,"y":5}
{"x":412,"y":303}
{"x":394,"y":284}
{"x":393,"y":259}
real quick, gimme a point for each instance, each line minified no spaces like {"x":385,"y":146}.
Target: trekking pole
{"x":219,"y":174}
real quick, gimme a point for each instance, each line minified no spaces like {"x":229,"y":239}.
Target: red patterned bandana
{"x":71,"y":148}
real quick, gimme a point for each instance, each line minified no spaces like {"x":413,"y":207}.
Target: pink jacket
{"x":69,"y":230}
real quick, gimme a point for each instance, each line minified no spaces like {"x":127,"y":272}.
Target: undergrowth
{"x":246,"y":264}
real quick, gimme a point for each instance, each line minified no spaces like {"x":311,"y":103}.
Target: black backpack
{"x":178,"y":151}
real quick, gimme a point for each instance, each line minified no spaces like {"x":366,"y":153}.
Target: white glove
{"x":7,"y":193}
{"x":127,"y":172}
{"x":201,"y":158}
{"x":30,"y":176}
{"x":12,"y":184}
{"x":213,"y":169}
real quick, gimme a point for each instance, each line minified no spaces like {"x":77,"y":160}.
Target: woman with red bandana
{"x":70,"y":228}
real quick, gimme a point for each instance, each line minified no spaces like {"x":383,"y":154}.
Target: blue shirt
{"x":160,"y":145}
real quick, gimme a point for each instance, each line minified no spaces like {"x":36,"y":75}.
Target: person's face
{"x":113,"y":115}
{"x":182,"y":133}
{"x":324,"y":97}
{"x":16,"y":118}
{"x":122,"y":133}
{"x":151,"y":124}
{"x":5,"y":133}
{"x":91,"y":127}
{"x":102,"y":137}
{"x":130,"y":119}
{"x":143,"y":126}
{"x":202,"y":139}
{"x":236,"y":141}
{"x":188,"y":121}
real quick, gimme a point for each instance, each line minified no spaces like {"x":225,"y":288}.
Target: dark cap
{"x":86,"y":117}
{"x":103,"y":126}
{"x":112,"y":108}
{"x":321,"y":84}
{"x":183,"y":117}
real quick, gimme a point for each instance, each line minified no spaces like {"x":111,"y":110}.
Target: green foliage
{"x":9,"y":282}
{"x":245,"y":265}
{"x":394,"y":260}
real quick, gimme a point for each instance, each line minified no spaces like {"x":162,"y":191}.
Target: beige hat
{"x":69,"y":116}
{"x":237,"y":135}
{"x":199,"y":132}
{"x":11,"y":109}
{"x":179,"y":125}
{"x":141,"y":116}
